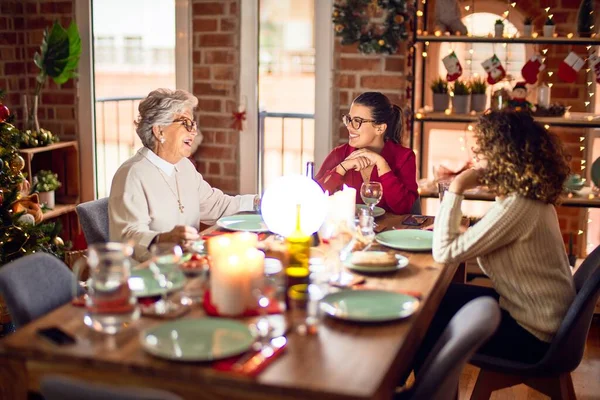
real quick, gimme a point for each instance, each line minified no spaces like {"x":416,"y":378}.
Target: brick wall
{"x":22,"y":24}
{"x":216,"y":66}
{"x":355,"y":73}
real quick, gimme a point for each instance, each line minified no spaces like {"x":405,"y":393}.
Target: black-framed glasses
{"x":187,"y":123}
{"x":356,"y":122}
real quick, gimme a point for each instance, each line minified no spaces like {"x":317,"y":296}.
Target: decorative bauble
{"x":26,"y":219}
{"x":381,"y":42}
{"x":17,"y":164}
{"x":339,"y":28}
{"x":399,"y":19}
{"x":4,"y":112}
{"x":58,"y":241}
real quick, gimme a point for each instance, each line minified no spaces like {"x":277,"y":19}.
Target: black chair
{"x":552,"y":374}
{"x":35,"y":285}
{"x":472,"y":325}
{"x":63,"y":388}
{"x":93,"y":217}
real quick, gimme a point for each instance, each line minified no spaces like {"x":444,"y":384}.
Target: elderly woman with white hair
{"x":157,"y":195}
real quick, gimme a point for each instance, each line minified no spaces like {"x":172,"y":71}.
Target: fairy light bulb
{"x":438,"y":33}
{"x":513,"y":4}
{"x":547,"y":9}
{"x":467,"y":8}
{"x":544,"y":51}
{"x":424,"y":54}
{"x":419,"y":13}
{"x":550,"y":85}
{"x":569,"y":35}
{"x":550,"y":73}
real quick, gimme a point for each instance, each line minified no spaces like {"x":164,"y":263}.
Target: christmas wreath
{"x":377,"y":25}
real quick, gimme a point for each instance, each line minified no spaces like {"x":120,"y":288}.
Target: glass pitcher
{"x":110,"y":303}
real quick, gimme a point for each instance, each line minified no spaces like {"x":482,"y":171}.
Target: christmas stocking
{"x":594,"y":63}
{"x":494,"y":69}
{"x":532,"y":68}
{"x":453,"y":66}
{"x":567,"y":70}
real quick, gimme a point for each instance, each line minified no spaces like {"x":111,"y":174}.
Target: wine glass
{"x":165,"y":268}
{"x":371,"y":193}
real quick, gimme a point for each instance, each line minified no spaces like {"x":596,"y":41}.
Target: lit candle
{"x":232,"y":287}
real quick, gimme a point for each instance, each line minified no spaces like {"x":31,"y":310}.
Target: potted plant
{"x":549,"y":27}
{"x":477,"y":87}
{"x":45,"y":183}
{"x":439,"y":87}
{"x":499,"y":28}
{"x":527,"y":26}
{"x":58,"y":59}
{"x":460,"y":100}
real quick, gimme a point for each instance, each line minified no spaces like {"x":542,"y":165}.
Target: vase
{"x":498,"y":30}
{"x":440,"y":101}
{"x":549,"y":30}
{"x":585,"y":18}
{"x":460,"y":104}
{"x":47,"y":198}
{"x":527,"y":29}
{"x":478,"y":101}
{"x":30,"y":112}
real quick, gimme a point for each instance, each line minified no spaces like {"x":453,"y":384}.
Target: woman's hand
{"x":181,"y":234}
{"x":467,"y":179}
{"x":357,"y":163}
{"x":374,"y":159}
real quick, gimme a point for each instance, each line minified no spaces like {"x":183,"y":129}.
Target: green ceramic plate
{"x":143,"y":283}
{"x":406,"y":239}
{"x":377,"y":211}
{"x":368,"y":305}
{"x":243,"y":222}
{"x":402,"y":262}
{"x":198,"y":339}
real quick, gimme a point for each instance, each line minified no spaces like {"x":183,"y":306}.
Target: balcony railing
{"x":116,"y":139}
{"x":286,"y":141}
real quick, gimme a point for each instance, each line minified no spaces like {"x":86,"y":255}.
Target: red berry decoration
{"x":4,"y":112}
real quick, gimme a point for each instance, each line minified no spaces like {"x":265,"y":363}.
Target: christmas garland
{"x":377,"y":25}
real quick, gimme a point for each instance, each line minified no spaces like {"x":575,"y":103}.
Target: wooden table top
{"x":343,"y":361}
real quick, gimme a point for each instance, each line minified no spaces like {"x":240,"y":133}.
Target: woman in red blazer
{"x":373,"y":153}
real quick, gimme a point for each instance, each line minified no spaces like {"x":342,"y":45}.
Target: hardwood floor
{"x":586,"y":378}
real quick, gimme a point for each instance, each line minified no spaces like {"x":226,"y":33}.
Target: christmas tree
{"x":22,"y":230}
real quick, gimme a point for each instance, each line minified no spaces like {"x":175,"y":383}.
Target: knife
{"x":249,"y":366}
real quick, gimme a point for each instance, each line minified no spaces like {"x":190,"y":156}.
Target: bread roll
{"x":373,"y":258}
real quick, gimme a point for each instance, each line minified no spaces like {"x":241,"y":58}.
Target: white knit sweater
{"x":519,"y":246}
{"x":143,"y":200}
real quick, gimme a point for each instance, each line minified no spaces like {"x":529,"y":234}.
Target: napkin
{"x":211,"y":310}
{"x":253,"y":362}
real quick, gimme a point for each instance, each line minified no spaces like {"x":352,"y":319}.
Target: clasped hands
{"x":182,"y":235}
{"x":363,"y":158}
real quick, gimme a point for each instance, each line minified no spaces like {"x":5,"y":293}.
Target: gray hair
{"x":159,"y":108}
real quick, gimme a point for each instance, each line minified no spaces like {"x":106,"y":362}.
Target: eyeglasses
{"x":356,"y":122}
{"x":187,"y":123}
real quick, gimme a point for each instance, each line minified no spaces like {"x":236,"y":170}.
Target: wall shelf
{"x":579,"y":120}
{"x":595,"y":41}
{"x":575,"y":201}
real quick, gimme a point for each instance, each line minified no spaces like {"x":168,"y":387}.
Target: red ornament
{"x":238,"y":120}
{"x":4,"y":112}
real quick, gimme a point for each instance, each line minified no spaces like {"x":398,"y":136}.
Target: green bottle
{"x":298,"y":246}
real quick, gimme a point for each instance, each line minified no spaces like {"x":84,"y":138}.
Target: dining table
{"x":341,"y":360}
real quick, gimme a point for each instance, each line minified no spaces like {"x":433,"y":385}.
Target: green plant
{"x":528,"y":21}
{"x":59,"y":55}
{"x":461,"y":89}
{"x":477,"y":86}
{"x":549,"y":21}
{"x":499,"y":22}
{"x":439,"y":85}
{"x":45,"y":181}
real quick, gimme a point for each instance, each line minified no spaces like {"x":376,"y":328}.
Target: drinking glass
{"x":365,"y":232}
{"x":304,"y":307}
{"x":165,"y":268}
{"x":265,"y":292}
{"x":443,"y":186}
{"x":340,"y":236}
{"x":371,"y":193}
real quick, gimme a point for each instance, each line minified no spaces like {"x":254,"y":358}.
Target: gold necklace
{"x":177,"y":196}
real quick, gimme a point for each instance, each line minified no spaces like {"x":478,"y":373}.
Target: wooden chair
{"x":472,"y":325}
{"x":552,"y":374}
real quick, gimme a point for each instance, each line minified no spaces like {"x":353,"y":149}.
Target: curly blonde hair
{"x":522,"y":157}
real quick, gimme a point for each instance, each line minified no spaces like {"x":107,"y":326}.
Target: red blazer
{"x":399,"y":184}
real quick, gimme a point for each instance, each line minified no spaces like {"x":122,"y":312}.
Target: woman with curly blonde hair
{"x":517,"y":243}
